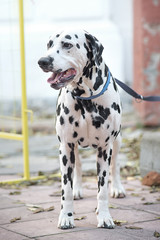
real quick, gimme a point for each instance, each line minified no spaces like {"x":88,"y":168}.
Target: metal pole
{"x":24,"y":98}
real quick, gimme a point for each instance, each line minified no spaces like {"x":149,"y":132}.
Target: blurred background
{"x":130,"y":33}
{"x":103,"y":18}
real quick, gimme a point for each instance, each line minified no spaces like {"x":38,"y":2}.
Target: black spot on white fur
{"x":116,"y":107}
{"x":68,"y":37}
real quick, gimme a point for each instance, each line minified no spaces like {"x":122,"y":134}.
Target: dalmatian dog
{"x":87,"y":115}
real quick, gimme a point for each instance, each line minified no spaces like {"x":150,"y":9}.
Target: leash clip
{"x":140,"y":99}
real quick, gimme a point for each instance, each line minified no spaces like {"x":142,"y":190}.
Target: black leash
{"x":127,"y":89}
{"x":134,"y":94}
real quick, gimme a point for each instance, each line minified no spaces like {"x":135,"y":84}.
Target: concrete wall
{"x":150,"y":153}
{"x":147,"y":58}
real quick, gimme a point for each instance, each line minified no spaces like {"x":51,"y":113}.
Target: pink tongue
{"x":54,"y":77}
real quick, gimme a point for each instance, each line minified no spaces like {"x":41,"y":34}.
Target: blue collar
{"x":99,"y":94}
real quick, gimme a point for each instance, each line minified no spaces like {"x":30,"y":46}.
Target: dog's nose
{"x":45,"y":61}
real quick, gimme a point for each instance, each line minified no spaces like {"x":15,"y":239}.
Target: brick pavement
{"x":141,"y":209}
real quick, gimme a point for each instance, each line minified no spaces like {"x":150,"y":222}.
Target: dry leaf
{"x":112,"y":206}
{"x":156,"y":234}
{"x":130,"y":178}
{"x":153,"y":190}
{"x":56,"y":194}
{"x":130,"y":189}
{"x":148,"y":203}
{"x":49,"y":209}
{"x":133,"y":227}
{"x":32,"y":206}
{"x":135,"y":194}
{"x":119,"y":222}
{"x":15,"y":193}
{"x":15,"y":219}
{"x":36,"y":210}
{"x":80,"y":218}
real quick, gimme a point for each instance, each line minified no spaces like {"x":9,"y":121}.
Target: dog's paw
{"x":105,"y":220}
{"x":66,"y":221}
{"x":117,"y":191}
{"x":77,"y":193}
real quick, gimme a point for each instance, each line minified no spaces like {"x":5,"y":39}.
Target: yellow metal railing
{"x":24,"y":98}
{"x":24,"y":111}
{"x":24,"y":136}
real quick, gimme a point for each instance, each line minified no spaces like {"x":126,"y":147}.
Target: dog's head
{"x":68,"y":56}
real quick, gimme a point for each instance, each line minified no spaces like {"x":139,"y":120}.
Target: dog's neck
{"x":91,"y":82}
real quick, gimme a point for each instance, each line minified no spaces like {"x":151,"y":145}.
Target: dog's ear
{"x":95,"y":49}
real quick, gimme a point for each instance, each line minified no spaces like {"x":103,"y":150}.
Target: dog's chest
{"x":85,"y":122}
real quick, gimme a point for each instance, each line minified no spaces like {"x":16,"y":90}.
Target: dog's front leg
{"x":103,"y":161}
{"x":77,"y":182}
{"x":67,"y":159}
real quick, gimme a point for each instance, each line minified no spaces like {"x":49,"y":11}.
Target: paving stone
{"x":7,"y":235}
{"x":10,"y":213}
{"x":131,"y":215}
{"x":80,"y":205}
{"x":14,"y":165}
{"x":103,"y":234}
{"x":93,"y":234}
{"x":40,"y":227}
{"x":34,"y":196}
{"x":136,"y":201}
{"x":44,"y":225}
{"x":43,"y":155}
{"x":137,"y":195}
{"x":143,"y":233}
{"x":7,"y":177}
{"x":7,"y":202}
{"x":26,"y":215}
{"x":150,"y":225}
{"x":149,"y":207}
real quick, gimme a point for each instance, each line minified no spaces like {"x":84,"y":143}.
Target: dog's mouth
{"x":59,"y":79}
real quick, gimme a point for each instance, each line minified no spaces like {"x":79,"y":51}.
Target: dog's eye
{"x":50,"y":44}
{"x":67,"y":45}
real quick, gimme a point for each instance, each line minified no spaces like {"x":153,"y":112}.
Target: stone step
{"x":150,"y":153}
